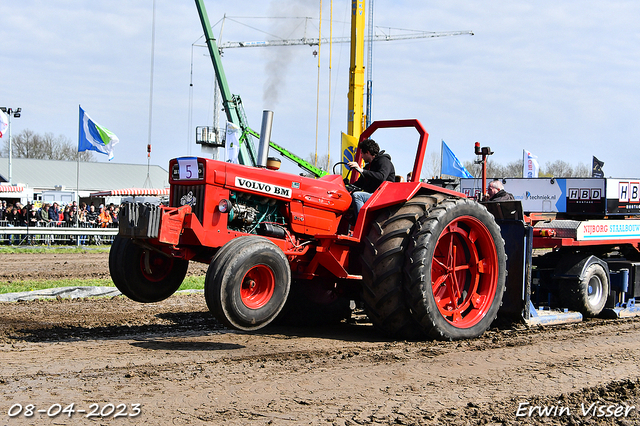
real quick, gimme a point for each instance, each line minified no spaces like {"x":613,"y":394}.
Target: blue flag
{"x":94,"y":137}
{"x":451,"y":165}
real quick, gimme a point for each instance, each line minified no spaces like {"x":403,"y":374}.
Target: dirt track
{"x":176,"y":361}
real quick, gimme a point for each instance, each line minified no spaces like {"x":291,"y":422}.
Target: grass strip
{"x":189,"y":283}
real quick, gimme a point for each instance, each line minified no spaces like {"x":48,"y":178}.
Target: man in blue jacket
{"x":54,"y":213}
{"x":378,"y":168}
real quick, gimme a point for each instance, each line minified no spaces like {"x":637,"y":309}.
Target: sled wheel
{"x":383,"y":258}
{"x":589,"y":294}
{"x":313,"y":303}
{"x":144,"y":275}
{"x":456,"y":270}
{"x":248,"y":283}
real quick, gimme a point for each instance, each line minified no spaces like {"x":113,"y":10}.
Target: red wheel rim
{"x":464,"y":272}
{"x":155,"y":266}
{"x":257,"y":287}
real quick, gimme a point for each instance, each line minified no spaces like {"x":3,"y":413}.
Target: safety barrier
{"x":54,"y":233}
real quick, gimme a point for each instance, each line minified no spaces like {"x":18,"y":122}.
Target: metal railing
{"x":49,"y":233}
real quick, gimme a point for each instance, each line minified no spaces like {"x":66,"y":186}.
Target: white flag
{"x":4,"y":123}
{"x":531,"y":167}
{"x":232,"y":143}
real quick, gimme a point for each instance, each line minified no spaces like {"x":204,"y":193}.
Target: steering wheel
{"x":351,"y":188}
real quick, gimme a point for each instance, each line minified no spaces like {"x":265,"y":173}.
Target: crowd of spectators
{"x":47,"y":214}
{"x":55,"y":215}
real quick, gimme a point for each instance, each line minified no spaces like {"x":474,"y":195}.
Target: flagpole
{"x":524,"y":162}
{"x":441,"y":156}
{"x":77,"y":221}
{"x":78,"y":178}
{"x":78,"y":164}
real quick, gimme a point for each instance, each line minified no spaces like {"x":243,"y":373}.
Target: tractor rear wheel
{"x":456,"y":270}
{"x":144,"y":275}
{"x":247,"y":283}
{"x":383,"y":259}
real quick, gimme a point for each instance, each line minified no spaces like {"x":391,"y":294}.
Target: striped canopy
{"x":11,"y":188}
{"x":132,"y":192}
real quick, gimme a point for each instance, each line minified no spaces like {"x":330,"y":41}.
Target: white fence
{"x":55,"y":234}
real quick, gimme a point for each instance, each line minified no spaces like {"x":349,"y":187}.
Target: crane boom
{"x":310,"y":41}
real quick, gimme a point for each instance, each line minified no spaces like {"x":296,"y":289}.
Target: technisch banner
{"x":588,"y":196}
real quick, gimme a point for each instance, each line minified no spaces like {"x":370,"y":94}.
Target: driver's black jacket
{"x":377,"y":171}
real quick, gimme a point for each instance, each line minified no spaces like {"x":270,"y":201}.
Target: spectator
{"x":12,"y":214}
{"x":3,"y":208}
{"x":92,"y":215}
{"x":82,"y":214}
{"x":33,"y":216}
{"x":9,"y":213}
{"x":67,"y":216}
{"x":104,"y":218}
{"x":54,"y":213}
{"x":496,"y":192}
{"x":20,"y":217}
{"x":82,"y":221}
{"x":74,"y":215}
{"x":114,"y":216}
{"x":44,"y":213}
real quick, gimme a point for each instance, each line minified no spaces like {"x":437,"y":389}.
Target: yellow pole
{"x":355,"y":109}
{"x":355,"y":118}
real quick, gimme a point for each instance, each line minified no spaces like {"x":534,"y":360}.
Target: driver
{"x":378,"y":168}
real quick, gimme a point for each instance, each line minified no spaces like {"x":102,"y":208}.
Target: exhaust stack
{"x":265,"y":138}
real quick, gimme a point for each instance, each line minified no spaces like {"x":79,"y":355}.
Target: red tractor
{"x":424,"y":261}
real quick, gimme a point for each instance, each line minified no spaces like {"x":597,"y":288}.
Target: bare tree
{"x":322,"y":162}
{"x":28,"y":144}
{"x":493,"y":169}
{"x":558,"y":168}
{"x":432,"y":165}
{"x":582,"y":170}
{"x":513,"y":169}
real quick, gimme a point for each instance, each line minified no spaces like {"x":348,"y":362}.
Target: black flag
{"x":596,"y":170}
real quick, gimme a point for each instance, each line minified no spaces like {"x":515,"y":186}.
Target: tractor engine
{"x":253,"y":214}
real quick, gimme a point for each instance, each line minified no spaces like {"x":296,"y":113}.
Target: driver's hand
{"x":354,"y":165}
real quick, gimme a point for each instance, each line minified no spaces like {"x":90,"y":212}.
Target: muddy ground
{"x":107,"y":355}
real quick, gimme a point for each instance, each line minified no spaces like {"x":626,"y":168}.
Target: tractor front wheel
{"x":247,"y":284}
{"x":142,"y":274}
{"x":456,"y":270}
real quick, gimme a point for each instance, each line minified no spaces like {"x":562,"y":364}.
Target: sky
{"x":560,"y":79}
